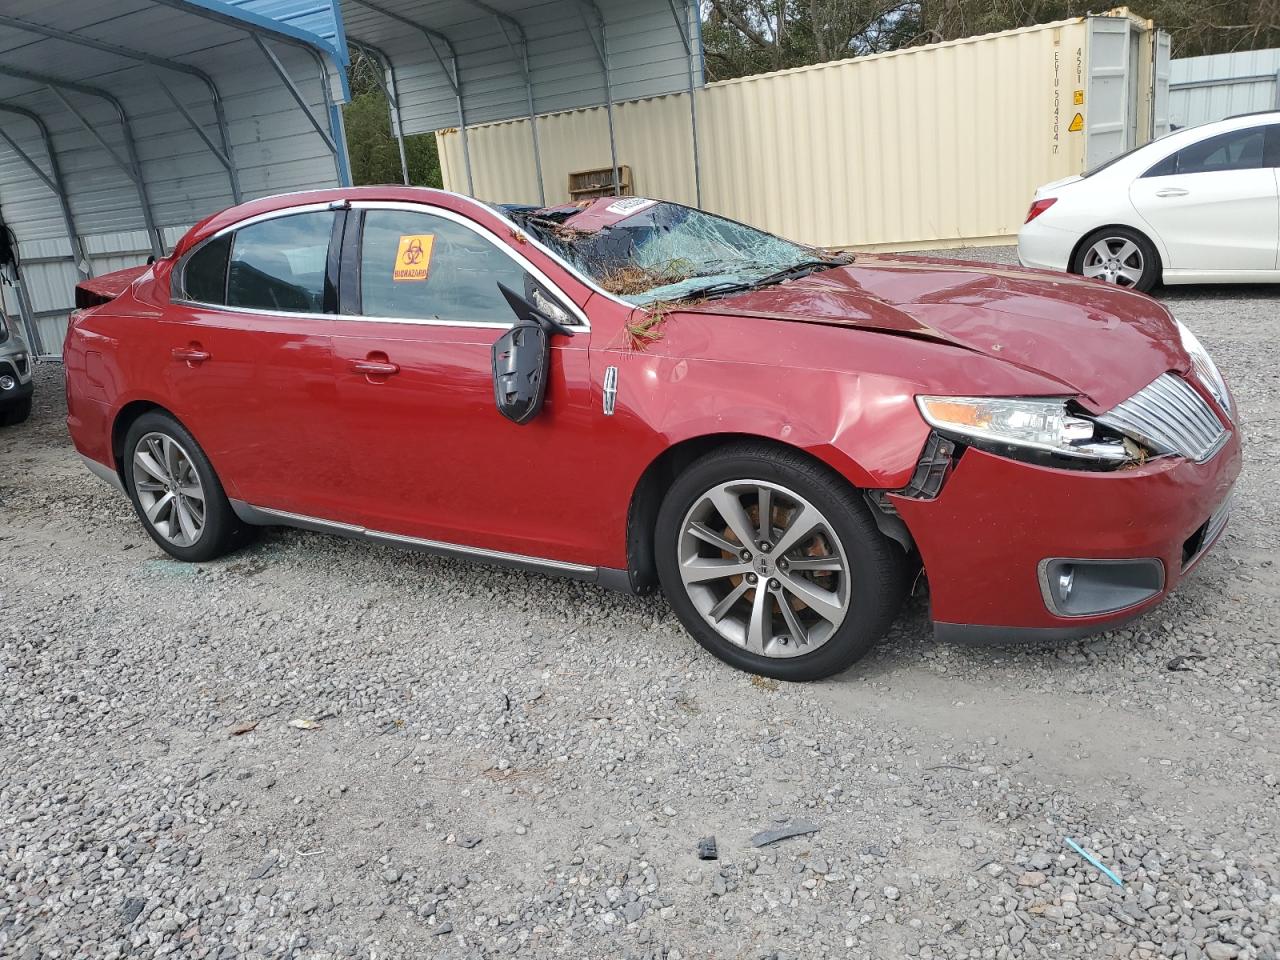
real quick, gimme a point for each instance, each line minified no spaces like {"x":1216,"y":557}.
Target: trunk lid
{"x":104,"y":289}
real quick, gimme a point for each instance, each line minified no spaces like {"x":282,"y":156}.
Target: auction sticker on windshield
{"x":413,"y":258}
{"x":630,"y":205}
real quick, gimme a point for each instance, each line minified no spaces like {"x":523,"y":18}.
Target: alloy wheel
{"x":764,"y":568}
{"x":169,"y":489}
{"x":1116,"y":260}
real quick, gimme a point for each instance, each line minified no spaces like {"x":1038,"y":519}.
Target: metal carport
{"x":122,"y":122}
{"x":454,"y":63}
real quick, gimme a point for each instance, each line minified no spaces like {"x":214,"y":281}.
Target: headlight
{"x":1046,"y":425}
{"x":1205,"y":369}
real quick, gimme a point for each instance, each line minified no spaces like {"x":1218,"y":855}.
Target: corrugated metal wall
{"x":273,"y":145}
{"x":647,"y":58}
{"x":1202,"y":89}
{"x":918,"y":147}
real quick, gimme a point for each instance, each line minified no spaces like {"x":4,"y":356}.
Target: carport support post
{"x":602,"y":54}
{"x":452,"y":75}
{"x":132,"y":168}
{"x":683,"y":27}
{"x":54,"y":182}
{"x":522,"y":61}
{"x":391,"y":90}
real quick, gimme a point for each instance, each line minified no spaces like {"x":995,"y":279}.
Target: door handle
{"x":192,"y":355}
{"x":1172,"y":192}
{"x":375,"y":368}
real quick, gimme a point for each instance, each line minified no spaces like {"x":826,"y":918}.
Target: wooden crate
{"x":589,"y":184}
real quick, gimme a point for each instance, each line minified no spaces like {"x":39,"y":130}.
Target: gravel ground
{"x":501,"y":764}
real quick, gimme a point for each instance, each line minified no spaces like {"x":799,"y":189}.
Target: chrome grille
{"x":1169,"y":416}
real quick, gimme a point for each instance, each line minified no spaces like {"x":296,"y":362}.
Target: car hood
{"x":1099,"y":342}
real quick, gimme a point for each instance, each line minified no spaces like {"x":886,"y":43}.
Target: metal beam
{"x":292,"y":87}
{"x":683,"y":27}
{"x":520,"y":50}
{"x":258,"y":27}
{"x":140,"y":56}
{"x":53,"y":180}
{"x":132,"y":167}
{"x":391,"y":90}
{"x":591,"y":12}
{"x":453,"y":76}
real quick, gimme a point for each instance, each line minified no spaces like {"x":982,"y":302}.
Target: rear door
{"x":249,"y":364}
{"x":1214,"y":204}
{"x":431,"y":457}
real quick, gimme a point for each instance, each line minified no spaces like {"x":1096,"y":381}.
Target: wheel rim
{"x":169,"y":489}
{"x":764,"y":568}
{"x":1116,"y":260}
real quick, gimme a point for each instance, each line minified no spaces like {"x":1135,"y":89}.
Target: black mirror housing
{"x":521,"y":361}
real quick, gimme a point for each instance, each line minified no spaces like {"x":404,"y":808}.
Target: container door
{"x":1111,"y":110}
{"x":1160,"y":85}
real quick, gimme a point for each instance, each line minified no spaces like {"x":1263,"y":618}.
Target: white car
{"x":1200,"y":205}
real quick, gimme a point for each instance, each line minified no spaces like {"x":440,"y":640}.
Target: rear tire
{"x":1120,"y":256}
{"x":15,"y":414}
{"x":176,"y":493}
{"x":832,"y":582}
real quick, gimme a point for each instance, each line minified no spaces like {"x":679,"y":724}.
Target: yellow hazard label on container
{"x":1077,"y":123}
{"x":1078,"y":98}
{"x":413,"y":258}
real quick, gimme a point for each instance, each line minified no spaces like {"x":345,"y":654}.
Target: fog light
{"x":1066,"y":579}
{"x":1085,"y":588}
{"x":7,"y":383}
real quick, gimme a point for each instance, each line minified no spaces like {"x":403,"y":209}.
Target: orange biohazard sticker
{"x":413,"y":258}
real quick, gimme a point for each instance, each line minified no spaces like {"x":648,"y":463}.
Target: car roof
{"x":303,"y":198}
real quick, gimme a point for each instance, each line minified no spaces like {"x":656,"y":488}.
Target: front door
{"x":1214,"y":204}
{"x":431,"y":456}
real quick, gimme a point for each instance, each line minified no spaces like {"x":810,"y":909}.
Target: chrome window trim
{"x":407,"y":206}
{"x":180,"y":268}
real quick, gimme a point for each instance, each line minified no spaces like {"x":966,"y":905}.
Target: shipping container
{"x":937,"y":145}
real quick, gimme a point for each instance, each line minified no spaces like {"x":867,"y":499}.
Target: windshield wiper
{"x":798,"y":270}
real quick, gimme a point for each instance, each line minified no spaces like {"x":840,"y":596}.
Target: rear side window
{"x":1237,"y":150}
{"x":205,"y":279}
{"x":423,"y":267}
{"x":279,"y":264}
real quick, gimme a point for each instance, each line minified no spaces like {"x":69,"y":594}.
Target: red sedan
{"x":637,"y":393}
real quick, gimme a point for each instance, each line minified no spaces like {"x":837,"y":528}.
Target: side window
{"x":1273,"y":146}
{"x":1237,"y":150}
{"x":205,"y":278}
{"x":279,"y":264}
{"x":423,"y":267}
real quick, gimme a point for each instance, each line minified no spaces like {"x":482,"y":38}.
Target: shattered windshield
{"x":668,"y":251}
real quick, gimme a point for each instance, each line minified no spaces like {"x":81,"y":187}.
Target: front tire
{"x":1120,"y":256}
{"x":175,"y":492}
{"x":774,"y":563}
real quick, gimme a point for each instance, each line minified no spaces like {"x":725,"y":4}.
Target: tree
{"x":374,"y":154}
{"x":742,"y":37}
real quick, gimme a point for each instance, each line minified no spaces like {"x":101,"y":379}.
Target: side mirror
{"x":521,"y":360}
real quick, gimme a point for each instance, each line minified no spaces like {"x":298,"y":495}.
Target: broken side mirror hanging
{"x":522,"y":360}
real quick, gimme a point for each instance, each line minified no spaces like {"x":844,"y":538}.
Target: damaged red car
{"x":640,"y":394}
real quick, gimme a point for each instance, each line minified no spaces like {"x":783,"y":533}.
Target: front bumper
{"x":19,"y":371}
{"x":984,"y":537}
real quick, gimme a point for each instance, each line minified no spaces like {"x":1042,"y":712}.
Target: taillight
{"x":1039,"y":207}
